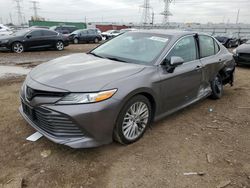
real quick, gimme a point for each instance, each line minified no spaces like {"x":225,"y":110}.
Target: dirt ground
{"x":9,"y":58}
{"x":211,"y":137}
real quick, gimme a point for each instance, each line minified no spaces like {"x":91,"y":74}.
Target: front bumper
{"x":4,"y":46}
{"x":95,"y":120}
{"x":81,"y":142}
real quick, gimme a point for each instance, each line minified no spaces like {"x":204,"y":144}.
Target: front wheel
{"x":59,"y":45}
{"x":217,"y":87}
{"x":76,"y":41}
{"x":17,"y":47}
{"x":133,"y":120}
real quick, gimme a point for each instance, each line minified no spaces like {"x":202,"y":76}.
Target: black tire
{"x":59,"y":45}
{"x":217,"y":87}
{"x":17,"y":47}
{"x":76,"y":41}
{"x":96,"y":40}
{"x":119,"y":134}
{"x":229,"y":45}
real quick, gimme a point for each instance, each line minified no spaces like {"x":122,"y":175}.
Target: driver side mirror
{"x":174,"y":62}
{"x":28,"y":36}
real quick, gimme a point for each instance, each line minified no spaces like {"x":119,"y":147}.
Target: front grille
{"x":31,"y":93}
{"x":53,"y":123}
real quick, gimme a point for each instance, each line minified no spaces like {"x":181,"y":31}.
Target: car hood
{"x":82,"y":72}
{"x":244,"y":48}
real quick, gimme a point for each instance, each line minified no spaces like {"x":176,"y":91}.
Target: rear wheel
{"x":217,"y":87}
{"x":59,"y":45}
{"x":17,"y":47}
{"x":133,"y":120}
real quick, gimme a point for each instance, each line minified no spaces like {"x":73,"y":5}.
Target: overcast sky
{"x":201,"y":11}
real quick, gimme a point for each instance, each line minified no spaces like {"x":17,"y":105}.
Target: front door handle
{"x":198,"y":67}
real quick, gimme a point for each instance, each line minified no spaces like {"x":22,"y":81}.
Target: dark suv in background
{"x":64,"y":29}
{"x":85,"y":35}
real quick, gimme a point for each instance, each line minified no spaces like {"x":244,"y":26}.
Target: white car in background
{"x":110,"y":34}
{"x":4,"y":30}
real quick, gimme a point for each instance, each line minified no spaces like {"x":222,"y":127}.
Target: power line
{"x":166,"y":13}
{"x":19,"y":12}
{"x":146,"y":16}
{"x":35,"y":8}
{"x":237,"y":19}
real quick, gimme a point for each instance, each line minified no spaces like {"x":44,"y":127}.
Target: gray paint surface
{"x":169,"y":92}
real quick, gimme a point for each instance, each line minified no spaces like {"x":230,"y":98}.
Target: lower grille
{"x":53,"y":123}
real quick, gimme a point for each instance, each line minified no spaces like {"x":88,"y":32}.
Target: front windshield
{"x":133,"y":47}
{"x":76,"y":32}
{"x":21,"y":32}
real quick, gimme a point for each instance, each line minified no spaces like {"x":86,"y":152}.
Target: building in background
{"x":108,"y":26}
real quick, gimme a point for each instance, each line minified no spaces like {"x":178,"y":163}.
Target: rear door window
{"x":207,"y":47}
{"x":91,"y":32}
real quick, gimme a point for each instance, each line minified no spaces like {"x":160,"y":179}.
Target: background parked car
{"x":242,"y":54}
{"x":228,"y":41}
{"x":4,"y":30}
{"x":127,"y":30}
{"x":32,"y":39}
{"x":64,"y":29}
{"x":85,"y":35}
{"x":110,"y":34}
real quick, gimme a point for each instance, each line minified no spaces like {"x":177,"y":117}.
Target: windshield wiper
{"x":116,"y":59}
{"x":94,"y":54}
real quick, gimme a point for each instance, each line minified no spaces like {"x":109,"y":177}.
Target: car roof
{"x":177,"y":33}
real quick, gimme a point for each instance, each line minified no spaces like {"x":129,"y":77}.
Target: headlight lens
{"x":5,"y":41}
{"x":83,"y":98}
{"x":234,"y":51}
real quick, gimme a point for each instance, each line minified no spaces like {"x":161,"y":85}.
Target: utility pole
{"x":35,"y":8}
{"x":153,"y":18}
{"x":11,"y":18}
{"x":166,"y":13}
{"x":19,"y":12}
{"x":146,"y":16}
{"x":238,"y":14}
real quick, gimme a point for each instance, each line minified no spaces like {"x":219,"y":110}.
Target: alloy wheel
{"x":59,"y":45}
{"x":135,"y":120}
{"x":18,"y":47}
{"x":76,"y":41}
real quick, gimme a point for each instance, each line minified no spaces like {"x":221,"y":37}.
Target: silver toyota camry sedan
{"x":117,"y":90}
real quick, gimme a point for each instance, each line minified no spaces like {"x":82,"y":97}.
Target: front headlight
{"x":83,"y":98}
{"x":5,"y":41}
